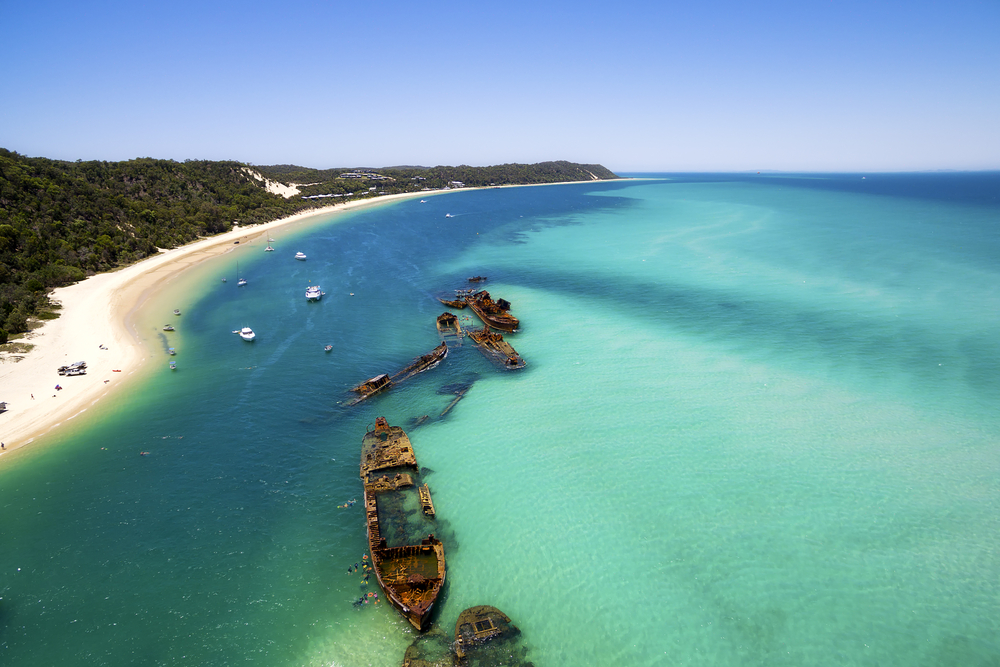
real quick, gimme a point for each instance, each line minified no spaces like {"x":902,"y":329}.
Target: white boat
{"x":240,"y":282}
{"x":314,"y":293}
{"x":300,"y":256}
{"x":268,"y":248}
{"x":171,"y":351}
{"x":173,"y":365}
{"x":177,"y":311}
{"x":448,"y":215}
{"x":167,"y":327}
{"x":246,"y":333}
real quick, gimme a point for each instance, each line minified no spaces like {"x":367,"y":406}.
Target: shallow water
{"x":757,"y":426}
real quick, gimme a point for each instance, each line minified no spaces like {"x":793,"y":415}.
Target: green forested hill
{"x":329,"y":181}
{"x":61,"y":221}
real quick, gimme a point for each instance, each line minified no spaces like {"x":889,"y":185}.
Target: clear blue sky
{"x":830,"y":85}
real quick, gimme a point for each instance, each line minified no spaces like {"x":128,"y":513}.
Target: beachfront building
{"x":370,"y":175}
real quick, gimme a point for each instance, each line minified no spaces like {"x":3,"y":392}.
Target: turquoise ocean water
{"x":758,"y":426}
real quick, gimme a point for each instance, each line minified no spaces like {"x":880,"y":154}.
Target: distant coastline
{"x":96,"y":325}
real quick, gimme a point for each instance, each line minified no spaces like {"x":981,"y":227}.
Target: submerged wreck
{"x":484,"y":637}
{"x":447,"y":323}
{"x":461,"y":299}
{"x":370,"y":387}
{"x":454,"y":303}
{"x":422,"y":363}
{"x":374,"y":385}
{"x":494,"y":313}
{"x":492,"y":344}
{"x":410,"y":567}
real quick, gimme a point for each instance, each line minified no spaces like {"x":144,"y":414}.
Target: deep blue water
{"x":758,"y":426}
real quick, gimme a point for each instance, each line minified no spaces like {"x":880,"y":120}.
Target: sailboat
{"x":269,"y":248}
{"x":240,"y":282}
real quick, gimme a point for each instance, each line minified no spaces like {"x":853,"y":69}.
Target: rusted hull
{"x":370,"y":387}
{"x":495,"y":313}
{"x":479,"y":625}
{"x":453,"y":303}
{"x":380,"y":383}
{"x":447,"y":323}
{"x":423,"y":363}
{"x":496,"y":348}
{"x":411,"y":574}
{"x":412,"y":578}
{"x":500,"y":321}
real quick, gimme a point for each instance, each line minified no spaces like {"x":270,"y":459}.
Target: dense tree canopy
{"x":62,"y":221}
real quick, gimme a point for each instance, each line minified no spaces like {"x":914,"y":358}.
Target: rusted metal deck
{"x":379,"y":383}
{"x":496,"y":348}
{"x":413,"y":574}
{"x":493,"y":313}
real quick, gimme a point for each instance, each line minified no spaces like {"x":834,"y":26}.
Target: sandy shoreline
{"x":96,"y":325}
{"x":98,"y":313}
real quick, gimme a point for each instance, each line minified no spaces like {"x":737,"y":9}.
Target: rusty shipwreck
{"x":492,"y":344}
{"x":494,"y":313}
{"x":408,"y":560}
{"x":374,"y":385}
{"x":482,"y":628}
{"x":448,"y":324}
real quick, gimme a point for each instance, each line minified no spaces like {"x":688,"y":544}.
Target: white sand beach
{"x":96,"y":326}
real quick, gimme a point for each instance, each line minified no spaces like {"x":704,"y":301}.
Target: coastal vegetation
{"x":62,"y":221}
{"x":409,"y":179}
